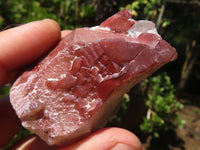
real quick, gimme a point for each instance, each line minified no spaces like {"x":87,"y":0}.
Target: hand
{"x":19,"y":47}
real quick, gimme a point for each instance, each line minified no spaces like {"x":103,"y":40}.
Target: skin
{"x":19,"y":47}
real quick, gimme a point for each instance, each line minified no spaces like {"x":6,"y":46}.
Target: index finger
{"x":21,"y":45}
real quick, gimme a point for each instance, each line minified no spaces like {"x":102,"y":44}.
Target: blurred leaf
{"x":165,"y":24}
{"x":87,"y":11}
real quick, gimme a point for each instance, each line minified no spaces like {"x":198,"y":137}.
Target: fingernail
{"x":121,"y":146}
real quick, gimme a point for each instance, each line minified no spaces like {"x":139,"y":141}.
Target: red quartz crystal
{"x":77,"y":87}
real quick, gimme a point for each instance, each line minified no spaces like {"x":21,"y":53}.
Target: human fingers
{"x":21,"y":45}
{"x":107,"y":139}
{"x":104,"y":139}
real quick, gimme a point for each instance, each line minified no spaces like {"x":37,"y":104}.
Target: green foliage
{"x":162,"y":106}
{"x":161,"y":94}
{"x":68,"y":14}
{"x":145,"y":8}
{"x":86,"y":11}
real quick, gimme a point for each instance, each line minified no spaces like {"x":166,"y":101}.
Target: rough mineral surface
{"x":77,"y":87}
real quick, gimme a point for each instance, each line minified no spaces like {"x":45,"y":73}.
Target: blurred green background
{"x":163,"y":110}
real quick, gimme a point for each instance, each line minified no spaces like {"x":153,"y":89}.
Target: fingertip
{"x":122,"y":136}
{"x":23,"y":44}
{"x":127,"y":138}
{"x":53,"y":27}
{"x":107,"y":138}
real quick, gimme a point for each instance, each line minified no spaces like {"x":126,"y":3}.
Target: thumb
{"x":107,"y":139}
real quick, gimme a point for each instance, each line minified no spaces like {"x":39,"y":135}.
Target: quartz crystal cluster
{"x":77,"y":87}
